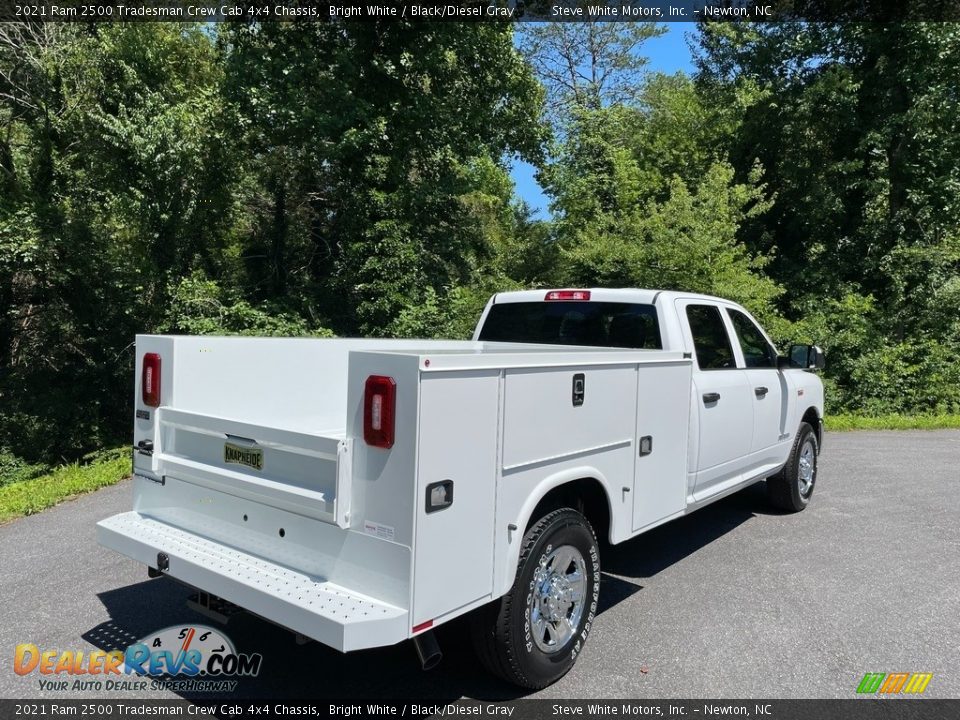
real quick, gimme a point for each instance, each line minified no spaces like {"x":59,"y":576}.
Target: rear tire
{"x":792,"y":487}
{"x":532,"y":635}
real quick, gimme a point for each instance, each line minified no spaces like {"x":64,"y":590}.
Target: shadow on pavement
{"x":658,"y":549}
{"x":316,"y":671}
{"x":291,"y":670}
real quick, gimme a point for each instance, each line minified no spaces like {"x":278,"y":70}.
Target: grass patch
{"x":28,"y":496}
{"x":891,"y":422}
{"x":14,"y":469}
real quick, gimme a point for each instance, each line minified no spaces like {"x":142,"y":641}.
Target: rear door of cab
{"x":722,"y":396}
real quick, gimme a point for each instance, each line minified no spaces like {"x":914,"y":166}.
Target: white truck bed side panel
{"x":548,"y":441}
{"x":542,"y":424}
{"x":453,"y":561}
{"x":382,"y":498}
{"x":145,"y":426}
{"x":660,"y":481}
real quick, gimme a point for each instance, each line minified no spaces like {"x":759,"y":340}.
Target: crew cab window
{"x":757,"y":352}
{"x":602,"y":324}
{"x":710,"y":340}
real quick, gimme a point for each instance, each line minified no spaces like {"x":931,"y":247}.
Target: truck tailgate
{"x":244,"y":476}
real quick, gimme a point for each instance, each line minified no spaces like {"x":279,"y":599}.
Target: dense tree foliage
{"x":857,"y":128}
{"x":114,"y":185}
{"x":352,"y":178}
{"x":383,"y":146}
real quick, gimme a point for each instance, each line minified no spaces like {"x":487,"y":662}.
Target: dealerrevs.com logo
{"x":192,"y":657}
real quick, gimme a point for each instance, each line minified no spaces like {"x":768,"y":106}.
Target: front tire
{"x":532,"y":635}
{"x":792,"y":487}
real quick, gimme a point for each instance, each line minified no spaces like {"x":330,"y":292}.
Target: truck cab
{"x":746,"y":401}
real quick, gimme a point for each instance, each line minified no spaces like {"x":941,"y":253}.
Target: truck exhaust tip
{"x":428,"y":650}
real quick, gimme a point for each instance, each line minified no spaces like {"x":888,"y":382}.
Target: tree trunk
{"x":278,"y":244}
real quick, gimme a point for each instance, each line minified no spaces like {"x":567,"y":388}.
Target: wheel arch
{"x":811,"y":416}
{"x":586,"y":495}
{"x":585,"y":489}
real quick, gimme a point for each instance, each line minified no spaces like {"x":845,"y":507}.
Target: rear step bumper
{"x":321,"y":610}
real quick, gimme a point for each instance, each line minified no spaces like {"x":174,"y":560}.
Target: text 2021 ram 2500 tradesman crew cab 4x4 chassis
{"x":362,"y":492}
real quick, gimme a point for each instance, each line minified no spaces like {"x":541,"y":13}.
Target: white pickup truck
{"x":362,"y":492}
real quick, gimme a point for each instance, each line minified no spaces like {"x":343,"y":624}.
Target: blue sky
{"x":668,"y":53}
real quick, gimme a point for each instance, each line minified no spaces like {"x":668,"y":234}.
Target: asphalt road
{"x":734,"y":601}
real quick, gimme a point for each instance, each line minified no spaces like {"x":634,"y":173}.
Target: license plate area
{"x":301,"y":473}
{"x":247,"y":455}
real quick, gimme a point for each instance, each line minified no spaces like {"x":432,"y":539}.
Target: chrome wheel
{"x":807,"y":468}
{"x":557,"y":601}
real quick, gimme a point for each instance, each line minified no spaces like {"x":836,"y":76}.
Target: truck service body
{"x":361,"y":492}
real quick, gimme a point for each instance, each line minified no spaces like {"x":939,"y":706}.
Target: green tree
{"x":588,"y":65}
{"x":858,"y":129}
{"x":686,"y":241}
{"x":381,"y":129}
{"x":115,"y":181}
{"x":639,"y":199}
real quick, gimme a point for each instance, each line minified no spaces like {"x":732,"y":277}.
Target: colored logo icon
{"x":894,"y":683}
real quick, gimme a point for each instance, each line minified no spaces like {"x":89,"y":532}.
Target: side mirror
{"x":805,"y":357}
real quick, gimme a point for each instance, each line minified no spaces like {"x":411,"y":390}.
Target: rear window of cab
{"x":590,"y":323}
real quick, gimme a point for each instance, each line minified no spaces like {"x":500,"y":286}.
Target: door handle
{"x":760,"y":391}
{"x":710,"y":398}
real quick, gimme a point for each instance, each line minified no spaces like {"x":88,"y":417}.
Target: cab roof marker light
{"x":568,"y":295}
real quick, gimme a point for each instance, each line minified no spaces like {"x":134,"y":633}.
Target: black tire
{"x":789,"y":489}
{"x":503,"y":632}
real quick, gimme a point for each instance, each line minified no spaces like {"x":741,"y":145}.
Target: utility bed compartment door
{"x":663,"y":416}
{"x":453,"y":566}
{"x":551,"y":415}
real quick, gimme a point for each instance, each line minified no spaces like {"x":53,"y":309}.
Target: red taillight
{"x":379,"y":411}
{"x":150,"y":380}
{"x":568,"y":295}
